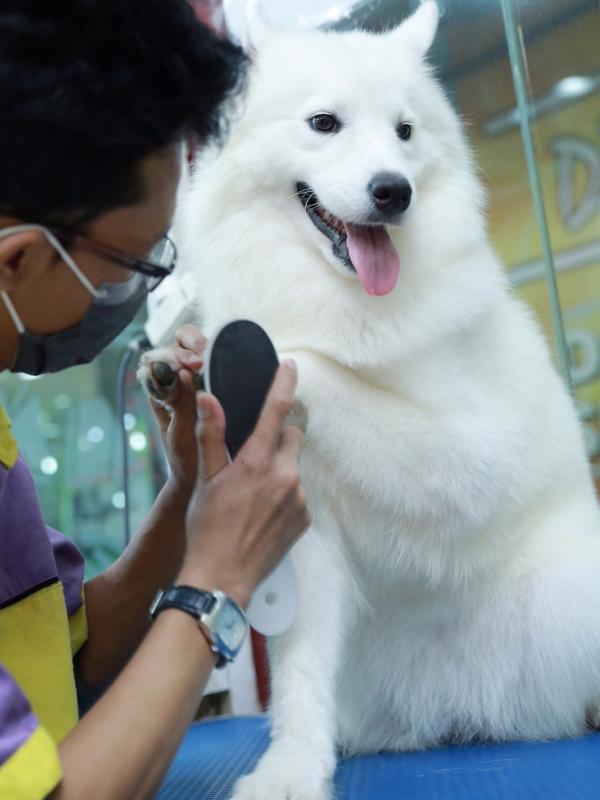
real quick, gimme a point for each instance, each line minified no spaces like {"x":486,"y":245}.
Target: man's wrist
{"x":177,"y":493}
{"x":205,"y":582}
{"x":218,"y":617}
{"x":175,"y":616}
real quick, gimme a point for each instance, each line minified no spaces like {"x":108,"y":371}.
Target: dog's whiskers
{"x":311,"y":203}
{"x":312,"y":206}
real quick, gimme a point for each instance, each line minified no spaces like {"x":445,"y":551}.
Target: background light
{"x":129,"y":421}
{"x":49,"y":465}
{"x":95,"y":434}
{"x":138,"y":441}
{"x":118,"y":500}
{"x":62,"y":402}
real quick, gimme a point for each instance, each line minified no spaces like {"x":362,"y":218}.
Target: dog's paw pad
{"x":163,"y":374}
{"x":157,"y":372}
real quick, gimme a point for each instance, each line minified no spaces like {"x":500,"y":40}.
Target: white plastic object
{"x":275,"y":602}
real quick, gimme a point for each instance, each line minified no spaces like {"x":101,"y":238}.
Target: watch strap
{"x":187,"y":598}
{"x":196,"y":603}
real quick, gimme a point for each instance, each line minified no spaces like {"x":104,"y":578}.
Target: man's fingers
{"x":182,"y":411}
{"x":190,"y":338}
{"x":277,"y":406}
{"x":186,"y":358}
{"x":162,"y":416}
{"x":212,"y":436}
{"x":164,"y":364}
{"x":290,"y":443}
{"x":184,"y":408}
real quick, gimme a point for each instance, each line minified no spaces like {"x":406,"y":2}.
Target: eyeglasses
{"x":159,"y":263}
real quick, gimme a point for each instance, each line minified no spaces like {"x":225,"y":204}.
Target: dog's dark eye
{"x":325,"y":123}
{"x":404,"y":131}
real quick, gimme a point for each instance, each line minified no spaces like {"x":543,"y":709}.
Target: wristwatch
{"x":219,"y":617}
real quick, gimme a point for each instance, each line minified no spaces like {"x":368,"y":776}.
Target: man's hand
{"x":168,"y":376}
{"x":245,"y":516}
{"x":117,"y":600}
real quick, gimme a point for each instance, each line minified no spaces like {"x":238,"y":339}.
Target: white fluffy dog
{"x":450,"y":583}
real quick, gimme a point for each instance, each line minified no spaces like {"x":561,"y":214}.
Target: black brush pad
{"x":242,"y":366}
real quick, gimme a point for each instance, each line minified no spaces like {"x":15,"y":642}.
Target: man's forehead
{"x":139,"y":226}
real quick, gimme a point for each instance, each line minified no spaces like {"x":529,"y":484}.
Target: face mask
{"x":112,"y":309}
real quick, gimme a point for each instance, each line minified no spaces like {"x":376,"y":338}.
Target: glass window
{"x":68,"y":432}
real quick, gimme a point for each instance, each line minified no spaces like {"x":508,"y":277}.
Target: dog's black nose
{"x":391,"y":193}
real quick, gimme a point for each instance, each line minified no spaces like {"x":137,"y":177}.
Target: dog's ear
{"x":420,"y":28}
{"x":258,"y":30}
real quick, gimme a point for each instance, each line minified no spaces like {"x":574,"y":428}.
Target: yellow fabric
{"x":35,"y":647}
{"x":78,"y":630}
{"x":32,"y":771}
{"x":8,"y":446}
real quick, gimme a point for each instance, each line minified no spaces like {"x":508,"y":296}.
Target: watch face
{"x":231,"y":629}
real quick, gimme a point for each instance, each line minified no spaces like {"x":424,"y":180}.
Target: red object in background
{"x":210,"y":12}
{"x":261,"y":666}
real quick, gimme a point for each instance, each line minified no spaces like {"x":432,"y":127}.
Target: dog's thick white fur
{"x":450,"y":583}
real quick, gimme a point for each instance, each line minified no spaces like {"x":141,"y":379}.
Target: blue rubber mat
{"x":214,"y":754}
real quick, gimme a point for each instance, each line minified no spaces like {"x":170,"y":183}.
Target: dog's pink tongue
{"x":374,"y":257}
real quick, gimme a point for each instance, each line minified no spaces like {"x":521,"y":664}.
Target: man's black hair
{"x":88,"y":88}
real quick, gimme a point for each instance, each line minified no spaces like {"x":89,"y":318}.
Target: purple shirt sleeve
{"x":31,"y":554}
{"x":17,"y":721}
{"x":70,"y":568}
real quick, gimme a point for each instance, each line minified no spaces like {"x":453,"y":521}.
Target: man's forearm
{"x":123,"y":747}
{"x":117,"y":601}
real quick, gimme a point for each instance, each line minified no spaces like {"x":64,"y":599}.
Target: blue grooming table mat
{"x":214,"y":754}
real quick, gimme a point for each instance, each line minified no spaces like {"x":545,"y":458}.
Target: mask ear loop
{"x":13,"y":312}
{"x":98,"y":294}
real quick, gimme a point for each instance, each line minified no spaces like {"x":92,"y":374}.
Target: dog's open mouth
{"x":365,"y":249}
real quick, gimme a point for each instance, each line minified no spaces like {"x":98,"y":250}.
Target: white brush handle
{"x":275,"y":602}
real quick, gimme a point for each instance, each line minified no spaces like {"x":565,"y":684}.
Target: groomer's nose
{"x":391,"y":193}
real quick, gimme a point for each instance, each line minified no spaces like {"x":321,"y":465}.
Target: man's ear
{"x":14,"y":249}
{"x":418,"y":31}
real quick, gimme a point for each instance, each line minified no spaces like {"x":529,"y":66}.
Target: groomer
{"x":97,"y":99}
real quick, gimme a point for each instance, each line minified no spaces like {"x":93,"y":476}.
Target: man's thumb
{"x":211,"y":435}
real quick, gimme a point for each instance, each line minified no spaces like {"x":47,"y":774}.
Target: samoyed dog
{"x":450,"y":582}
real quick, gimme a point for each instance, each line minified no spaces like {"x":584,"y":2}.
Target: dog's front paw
{"x":283,"y":775}
{"x":282,"y":786}
{"x":158,"y":370}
